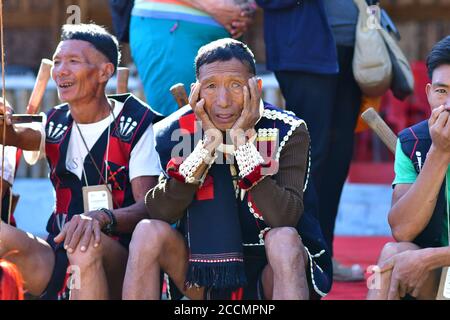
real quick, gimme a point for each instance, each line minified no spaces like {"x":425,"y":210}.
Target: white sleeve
{"x":10,"y":163}
{"x":31,"y":157}
{"x":144,"y":160}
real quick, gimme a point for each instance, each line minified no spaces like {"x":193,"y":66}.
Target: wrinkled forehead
{"x":78,"y":48}
{"x":230,"y":68}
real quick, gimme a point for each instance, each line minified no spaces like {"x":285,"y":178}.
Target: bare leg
{"x":431,"y":286}
{"x":381,"y":289}
{"x":285,"y":275}
{"x":156,"y":245}
{"x":102,"y":270}
{"x":32,"y":256}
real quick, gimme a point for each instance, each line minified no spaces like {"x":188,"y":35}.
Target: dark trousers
{"x":329,"y":104}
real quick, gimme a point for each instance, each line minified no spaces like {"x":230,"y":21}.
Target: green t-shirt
{"x":406,"y":174}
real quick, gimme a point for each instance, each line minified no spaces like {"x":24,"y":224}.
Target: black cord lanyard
{"x":92,"y":158}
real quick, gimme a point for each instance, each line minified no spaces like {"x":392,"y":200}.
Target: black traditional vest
{"x":415,"y":142}
{"x":181,"y":126}
{"x":125,"y":132}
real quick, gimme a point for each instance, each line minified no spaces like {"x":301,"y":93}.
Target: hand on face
{"x":213,"y":134}
{"x":439,"y":126}
{"x":250,"y":113}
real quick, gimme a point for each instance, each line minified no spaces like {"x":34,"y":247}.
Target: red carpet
{"x":350,"y":250}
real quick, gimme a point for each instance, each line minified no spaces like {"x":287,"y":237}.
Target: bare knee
{"x":85,"y":259}
{"x":149,"y":236}
{"x":34,"y":258}
{"x":283,"y":238}
{"x":390,"y":249}
{"x":284,"y":247}
{"x":36,"y":268}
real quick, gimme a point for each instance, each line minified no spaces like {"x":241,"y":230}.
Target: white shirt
{"x":9,"y":164}
{"x":144,"y":160}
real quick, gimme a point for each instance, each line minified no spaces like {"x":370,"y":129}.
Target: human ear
{"x":428,"y":92}
{"x":106,"y":71}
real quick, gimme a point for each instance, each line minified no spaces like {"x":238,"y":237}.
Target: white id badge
{"x":97,"y":197}
{"x":444,"y":285}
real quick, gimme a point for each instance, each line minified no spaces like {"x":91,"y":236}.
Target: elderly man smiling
{"x":101,"y":156}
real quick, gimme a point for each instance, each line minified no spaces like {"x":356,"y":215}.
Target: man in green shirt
{"x":419,"y":213}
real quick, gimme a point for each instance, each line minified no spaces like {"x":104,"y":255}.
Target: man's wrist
{"x":434,"y":258}
{"x":211,"y":143}
{"x":438,"y":156}
{"x":99,"y":216}
{"x":196,"y":165}
{"x":249,"y":161}
{"x":239,"y":139}
{"x":111,"y":222}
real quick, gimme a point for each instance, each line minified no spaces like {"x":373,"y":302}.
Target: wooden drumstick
{"x":39,"y":87}
{"x":377,"y":124}
{"x":122,"y":80}
{"x":179,"y":93}
{"x":23,"y":118}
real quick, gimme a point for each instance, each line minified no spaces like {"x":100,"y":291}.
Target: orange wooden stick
{"x":39,"y":87}
{"x":179,"y":94}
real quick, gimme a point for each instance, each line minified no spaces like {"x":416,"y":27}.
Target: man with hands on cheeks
{"x":235,"y":171}
{"x":419,"y":214}
{"x":98,"y":147}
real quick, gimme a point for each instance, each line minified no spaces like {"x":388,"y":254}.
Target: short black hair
{"x":96,"y":35}
{"x":225,"y":50}
{"x":439,"y":55}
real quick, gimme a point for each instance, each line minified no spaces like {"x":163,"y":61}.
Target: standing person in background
{"x":315,"y":75}
{"x":165,"y":36}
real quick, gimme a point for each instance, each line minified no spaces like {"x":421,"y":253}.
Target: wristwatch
{"x":111,"y":226}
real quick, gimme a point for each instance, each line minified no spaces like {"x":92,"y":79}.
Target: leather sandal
{"x":347,"y":273}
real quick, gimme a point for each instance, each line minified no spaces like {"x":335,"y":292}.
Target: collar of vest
{"x":415,"y":132}
{"x":129,"y":98}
